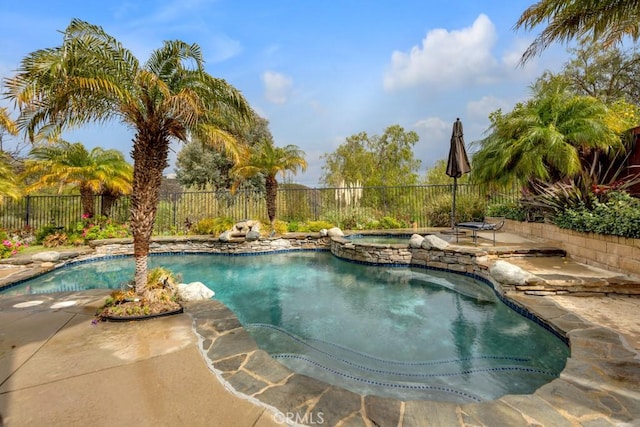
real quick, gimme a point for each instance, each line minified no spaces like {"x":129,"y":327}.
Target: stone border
{"x":457,"y":258}
{"x":477,"y":262}
{"x":597,"y":387}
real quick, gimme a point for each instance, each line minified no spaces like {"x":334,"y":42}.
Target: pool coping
{"x":598,"y":384}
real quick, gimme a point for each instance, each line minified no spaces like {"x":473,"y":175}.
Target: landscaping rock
{"x":241,"y":227}
{"x":432,"y":241}
{"x":194,"y":291}
{"x":324,"y":232}
{"x":252,"y":236}
{"x":416,"y":241}
{"x":507,"y":273}
{"x":335,"y":232}
{"x":225,"y":237}
{"x":48,"y":256}
{"x":254,"y":225}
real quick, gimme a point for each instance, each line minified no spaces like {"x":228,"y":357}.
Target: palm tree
{"x":607,"y":21}
{"x":269,"y":160}
{"x":91,"y":77}
{"x":6,"y":124}
{"x":9,"y":184}
{"x":545,"y":139}
{"x":8,"y":179}
{"x":92,"y":172}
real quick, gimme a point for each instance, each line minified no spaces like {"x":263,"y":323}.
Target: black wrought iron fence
{"x":349,"y":206}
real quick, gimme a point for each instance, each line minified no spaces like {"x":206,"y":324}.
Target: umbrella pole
{"x":453,"y":204}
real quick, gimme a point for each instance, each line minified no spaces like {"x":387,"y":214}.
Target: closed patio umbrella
{"x":457,"y":163}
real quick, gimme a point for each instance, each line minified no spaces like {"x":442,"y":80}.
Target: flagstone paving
{"x":599,"y":385}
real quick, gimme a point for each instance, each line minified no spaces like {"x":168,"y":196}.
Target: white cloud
{"x":480,"y":109}
{"x":446,"y":58}
{"x":433,"y":130}
{"x":432,"y":124}
{"x":277,"y":87}
{"x":511,"y":61}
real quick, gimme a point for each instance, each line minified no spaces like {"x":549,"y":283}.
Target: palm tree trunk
{"x":86,"y":198}
{"x":108,"y":200}
{"x":150,"y":151}
{"x":271,"y":185}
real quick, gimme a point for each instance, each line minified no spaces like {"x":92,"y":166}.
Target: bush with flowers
{"x":101,"y":227}
{"x":10,"y":245}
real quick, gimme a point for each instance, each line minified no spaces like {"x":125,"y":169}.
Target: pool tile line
{"x":597,"y":352}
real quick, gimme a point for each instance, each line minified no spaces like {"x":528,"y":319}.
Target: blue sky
{"x":319,"y":71}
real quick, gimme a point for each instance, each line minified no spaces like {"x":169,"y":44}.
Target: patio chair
{"x":476,"y":226}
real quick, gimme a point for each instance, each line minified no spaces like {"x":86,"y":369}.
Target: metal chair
{"x":475,"y":226}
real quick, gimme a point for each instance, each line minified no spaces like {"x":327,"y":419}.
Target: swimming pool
{"x":395,"y":332}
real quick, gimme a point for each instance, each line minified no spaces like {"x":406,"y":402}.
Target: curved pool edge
{"x":590,"y":386}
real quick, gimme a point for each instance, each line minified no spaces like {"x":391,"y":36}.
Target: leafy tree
{"x":92,"y":77}
{"x":91,"y":172}
{"x":547,"y":138}
{"x":437,"y":175}
{"x":268,"y":160}
{"x":373,"y":161}
{"x":199,"y":165}
{"x":609,"y":74}
{"x":602,"y":20}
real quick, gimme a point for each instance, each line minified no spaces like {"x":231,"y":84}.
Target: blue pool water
{"x":396,"y":332}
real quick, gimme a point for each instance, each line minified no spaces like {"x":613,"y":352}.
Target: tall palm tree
{"x":6,"y":124}
{"x":9,"y":185}
{"x":546,"y":139}
{"x":268,"y":160}
{"x":607,"y":21}
{"x":9,"y":182}
{"x":91,"y":77}
{"x":92,"y":172}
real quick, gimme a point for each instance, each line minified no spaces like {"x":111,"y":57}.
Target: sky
{"x":318,"y":71}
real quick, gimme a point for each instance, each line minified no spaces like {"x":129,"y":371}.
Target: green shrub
{"x":619,"y":216}
{"x":43,"y":232}
{"x":389,"y":223}
{"x":354,"y":218}
{"x":293,"y":226}
{"x":510,"y":210}
{"x":101,"y":227}
{"x":280,"y":227}
{"x":214,"y":226}
{"x":316,"y":226}
{"x":469,"y":207}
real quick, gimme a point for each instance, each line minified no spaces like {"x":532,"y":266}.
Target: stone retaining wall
{"x":208,"y":244}
{"x":614,"y":253}
{"x":461,"y":259}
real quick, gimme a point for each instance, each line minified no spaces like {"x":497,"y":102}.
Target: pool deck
{"x":201,"y":368}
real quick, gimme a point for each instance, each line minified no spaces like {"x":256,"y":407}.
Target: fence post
{"x":174,"y":203}
{"x":27,"y":208}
